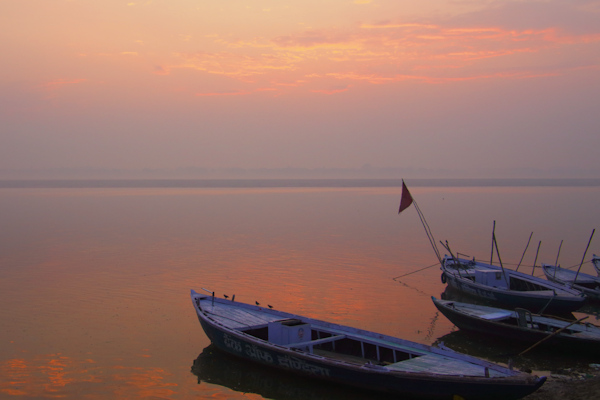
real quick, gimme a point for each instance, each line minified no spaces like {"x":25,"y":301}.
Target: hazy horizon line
{"x":294,"y":183}
{"x":363,"y":172}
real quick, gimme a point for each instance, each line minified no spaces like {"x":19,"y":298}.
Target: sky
{"x":434,"y":88}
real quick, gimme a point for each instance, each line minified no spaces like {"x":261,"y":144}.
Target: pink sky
{"x":439,"y":88}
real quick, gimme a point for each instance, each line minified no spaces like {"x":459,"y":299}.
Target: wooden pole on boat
{"x":556,"y":332}
{"x":524,"y":251}
{"x":500,"y":260}
{"x":536,"y":256}
{"x":584,"y":253}
{"x":405,"y":201}
{"x":556,"y":261}
{"x":493,"y":240}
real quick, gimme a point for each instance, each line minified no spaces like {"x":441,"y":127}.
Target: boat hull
{"x":370,"y":377}
{"x":512,"y":299}
{"x":514,"y":332}
{"x":554,"y":299}
{"x":589,"y":292}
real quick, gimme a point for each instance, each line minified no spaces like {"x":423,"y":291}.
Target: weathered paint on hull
{"x":513,"y":332}
{"x":515,"y":299}
{"x":590,"y":294}
{"x":415,"y":386}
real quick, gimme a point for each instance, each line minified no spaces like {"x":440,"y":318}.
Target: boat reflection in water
{"x":219,"y":368}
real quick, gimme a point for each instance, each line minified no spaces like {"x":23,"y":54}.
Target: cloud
{"x":459,"y":48}
{"x":59,"y":83}
{"x":224,"y":93}
{"x":332,"y":90}
{"x":161,"y":70}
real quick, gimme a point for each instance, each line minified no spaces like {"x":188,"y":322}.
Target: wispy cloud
{"x":386,"y":52}
{"x":59,"y":83}
{"x":332,"y":90}
{"x":224,"y":93}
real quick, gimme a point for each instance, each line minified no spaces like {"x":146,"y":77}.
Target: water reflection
{"x":218,"y":368}
{"x":84,"y":270}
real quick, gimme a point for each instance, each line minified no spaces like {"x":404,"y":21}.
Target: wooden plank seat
{"x":440,"y":365}
{"x":496,"y":316}
{"x":316,"y":341}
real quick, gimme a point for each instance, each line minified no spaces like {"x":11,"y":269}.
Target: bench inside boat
{"x":342,"y":346}
{"x":497,"y":279}
{"x":294,"y":333}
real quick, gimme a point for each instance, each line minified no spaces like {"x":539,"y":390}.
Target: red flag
{"x":406,"y":199}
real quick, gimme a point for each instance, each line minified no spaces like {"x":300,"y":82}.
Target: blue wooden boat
{"x":522,"y":326}
{"x":509,"y":288}
{"x":353,"y":356}
{"x":589,"y":285}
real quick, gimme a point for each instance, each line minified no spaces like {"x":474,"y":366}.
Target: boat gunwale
{"x":561,"y":291}
{"x":571,"y":333}
{"x":508,"y":374}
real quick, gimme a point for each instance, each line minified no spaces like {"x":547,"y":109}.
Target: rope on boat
{"x":410,"y":273}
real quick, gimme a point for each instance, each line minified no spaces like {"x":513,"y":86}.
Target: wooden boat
{"x":245,"y":377}
{"x":589,"y":285}
{"x":521,"y":325}
{"x":509,"y":288}
{"x":352,"y":356}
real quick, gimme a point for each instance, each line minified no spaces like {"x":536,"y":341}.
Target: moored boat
{"x":589,"y":285}
{"x":596,"y":262}
{"x":353,"y":356}
{"x":522,"y":326}
{"x":509,"y":288}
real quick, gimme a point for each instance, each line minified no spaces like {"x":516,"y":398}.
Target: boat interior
{"x":499,"y":279}
{"x":296,"y":334}
{"x":362,"y":350}
{"x":525,"y":319}
{"x":342,"y":344}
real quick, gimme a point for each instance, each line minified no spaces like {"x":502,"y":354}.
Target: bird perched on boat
{"x":225,"y":296}
{"x":270,"y":306}
{"x":257,"y":303}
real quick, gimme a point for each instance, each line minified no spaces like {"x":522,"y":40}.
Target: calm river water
{"x":95,"y":281}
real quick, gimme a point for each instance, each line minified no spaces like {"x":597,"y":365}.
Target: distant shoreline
{"x":291,"y":183}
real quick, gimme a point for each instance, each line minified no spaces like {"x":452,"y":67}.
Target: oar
{"x":552,"y":335}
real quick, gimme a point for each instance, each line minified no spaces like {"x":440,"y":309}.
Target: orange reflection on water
{"x":56,"y":375}
{"x":13,"y":376}
{"x":145,"y":382}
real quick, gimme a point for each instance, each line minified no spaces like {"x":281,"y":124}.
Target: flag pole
{"x":405,"y":201}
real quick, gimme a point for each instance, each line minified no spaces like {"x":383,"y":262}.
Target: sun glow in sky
{"x":471,"y":88}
